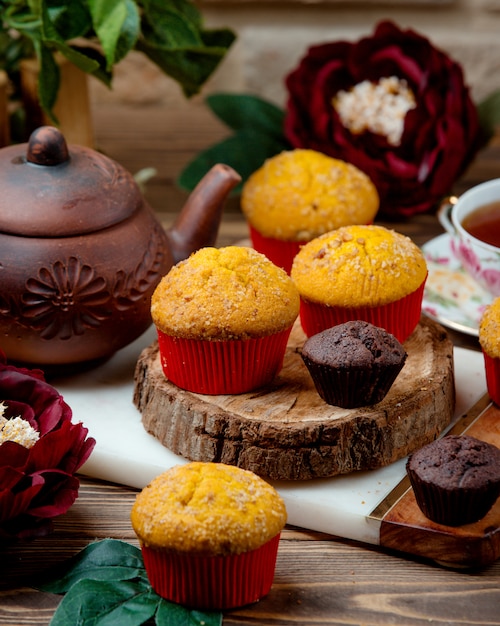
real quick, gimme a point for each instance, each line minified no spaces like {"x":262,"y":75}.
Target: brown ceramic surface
{"x":81,"y":252}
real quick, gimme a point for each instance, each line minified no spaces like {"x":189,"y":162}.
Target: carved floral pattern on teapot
{"x":69,"y":296}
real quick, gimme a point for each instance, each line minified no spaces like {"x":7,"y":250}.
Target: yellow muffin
{"x":489,"y":338}
{"x":300,"y":194}
{"x":225,"y":293}
{"x":223,"y":319}
{"x":208,"y":508}
{"x":359,"y":266}
{"x":219,"y":521}
{"x":489,"y":329}
{"x":361,"y":272}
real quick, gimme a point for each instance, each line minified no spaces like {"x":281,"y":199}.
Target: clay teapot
{"x":81,"y":251}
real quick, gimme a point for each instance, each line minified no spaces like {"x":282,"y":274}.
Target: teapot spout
{"x":198,"y":223}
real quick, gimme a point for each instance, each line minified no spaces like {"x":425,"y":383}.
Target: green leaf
{"x":186,"y":8}
{"x":117,"y":25}
{"x":101,"y":72}
{"x":169,"y":614}
{"x":109,"y":559}
{"x":70,"y":18}
{"x":106,"y":584}
{"x":131,"y":29}
{"x":489,"y":114}
{"x":245,"y":151}
{"x":166,"y":27}
{"x":48,"y":79}
{"x":190,"y":67}
{"x":174,"y":39}
{"x":247,"y":111}
{"x":98,"y":603}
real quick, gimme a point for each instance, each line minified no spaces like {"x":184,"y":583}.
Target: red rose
{"x":37,"y":483}
{"x":439,"y":132}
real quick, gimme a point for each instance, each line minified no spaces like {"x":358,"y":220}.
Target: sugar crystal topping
{"x":16,"y":429}
{"x":379,"y":107}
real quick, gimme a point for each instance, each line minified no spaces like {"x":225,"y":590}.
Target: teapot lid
{"x":50,"y":190}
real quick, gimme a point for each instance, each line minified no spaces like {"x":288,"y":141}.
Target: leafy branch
{"x":95,"y":35}
{"x":106,"y":583}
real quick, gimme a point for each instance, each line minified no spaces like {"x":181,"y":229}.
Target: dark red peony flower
{"x":394,"y":106}
{"x":40,"y":451}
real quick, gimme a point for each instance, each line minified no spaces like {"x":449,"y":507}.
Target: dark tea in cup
{"x":484,"y":223}
{"x":473,"y":221}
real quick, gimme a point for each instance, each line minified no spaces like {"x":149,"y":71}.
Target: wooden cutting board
{"x":285,"y":431}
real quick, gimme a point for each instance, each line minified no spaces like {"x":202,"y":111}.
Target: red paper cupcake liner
{"x":212,"y":583}
{"x":492,"y":369}
{"x":280,"y":252}
{"x":399,"y":318}
{"x":222,"y":367}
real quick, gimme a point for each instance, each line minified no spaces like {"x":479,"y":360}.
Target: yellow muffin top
{"x":225,"y":293}
{"x":301,"y":194}
{"x":489,"y":329}
{"x":208,"y":508}
{"x":359,"y":266}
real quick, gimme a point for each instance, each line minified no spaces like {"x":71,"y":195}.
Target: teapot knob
{"x":47,"y":146}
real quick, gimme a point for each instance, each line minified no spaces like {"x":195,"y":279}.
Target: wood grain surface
{"x":319,"y":579}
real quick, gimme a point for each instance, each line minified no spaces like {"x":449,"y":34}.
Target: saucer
{"x":451,"y":296}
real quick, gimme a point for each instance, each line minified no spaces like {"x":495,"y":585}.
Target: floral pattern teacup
{"x":481,"y":260}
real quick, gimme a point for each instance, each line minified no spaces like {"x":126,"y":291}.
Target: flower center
{"x":379,"y":107}
{"x":16,"y":429}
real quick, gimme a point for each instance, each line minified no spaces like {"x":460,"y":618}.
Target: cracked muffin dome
{"x":363,"y":272}
{"x":225,"y":293}
{"x":208,"y":508}
{"x":455,"y":479}
{"x":300,"y":194}
{"x":223,"y":318}
{"x":359,"y":266}
{"x":353,"y":364}
{"x":209,"y":534}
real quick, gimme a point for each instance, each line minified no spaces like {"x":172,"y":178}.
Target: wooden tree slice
{"x":286,"y":431}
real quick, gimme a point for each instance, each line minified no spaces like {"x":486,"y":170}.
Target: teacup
{"x":480,"y":259}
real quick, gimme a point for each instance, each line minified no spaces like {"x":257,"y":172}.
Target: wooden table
{"x":319,"y":578}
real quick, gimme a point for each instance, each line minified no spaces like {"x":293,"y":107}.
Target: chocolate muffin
{"x":353,"y":364}
{"x":456,"y":479}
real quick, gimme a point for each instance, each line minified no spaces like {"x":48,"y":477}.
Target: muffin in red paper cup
{"x":223,"y":319}
{"x":360,"y":272}
{"x":489,"y":339}
{"x":209,"y":535}
{"x":300,"y":194}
